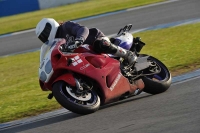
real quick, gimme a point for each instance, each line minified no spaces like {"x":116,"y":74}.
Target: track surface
{"x":140,"y":18}
{"x":175,"y":111}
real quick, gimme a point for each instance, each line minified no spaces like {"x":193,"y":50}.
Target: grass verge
{"x":178,"y":47}
{"x":20,"y":94}
{"x":67,"y":12}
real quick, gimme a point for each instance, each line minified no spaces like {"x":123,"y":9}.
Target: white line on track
{"x":98,"y":16}
{"x":156,"y":4}
{"x":175,"y":80}
{"x":44,"y":116}
{"x":173,"y":24}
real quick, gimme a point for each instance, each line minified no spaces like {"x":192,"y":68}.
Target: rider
{"x":75,"y":34}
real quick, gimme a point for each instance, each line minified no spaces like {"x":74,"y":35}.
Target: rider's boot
{"x":120,"y":52}
{"x":126,"y":54}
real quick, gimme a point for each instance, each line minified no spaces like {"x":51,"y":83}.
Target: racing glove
{"x":72,"y":45}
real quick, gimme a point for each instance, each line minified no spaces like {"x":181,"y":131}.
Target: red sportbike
{"x":82,"y":81}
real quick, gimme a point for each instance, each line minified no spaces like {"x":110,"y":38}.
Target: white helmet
{"x":46,"y":29}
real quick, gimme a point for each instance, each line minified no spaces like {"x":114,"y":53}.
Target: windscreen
{"x":43,"y":51}
{"x":46,"y":47}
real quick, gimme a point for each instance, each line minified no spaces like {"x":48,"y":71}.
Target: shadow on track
{"x":64,"y":117}
{"x":130,"y":99}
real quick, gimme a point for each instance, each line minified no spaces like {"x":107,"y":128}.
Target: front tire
{"x":77,"y":104}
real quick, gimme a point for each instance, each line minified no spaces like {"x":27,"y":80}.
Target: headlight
{"x":48,"y":67}
{"x":43,"y":76}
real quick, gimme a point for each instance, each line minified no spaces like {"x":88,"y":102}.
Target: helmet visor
{"x":45,"y":33}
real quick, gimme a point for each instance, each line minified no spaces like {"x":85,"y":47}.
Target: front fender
{"x":68,"y":78}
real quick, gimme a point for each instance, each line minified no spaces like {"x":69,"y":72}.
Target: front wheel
{"x":159,"y":82}
{"x":66,"y":96}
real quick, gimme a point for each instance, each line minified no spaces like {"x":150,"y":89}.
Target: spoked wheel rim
{"x":161,"y":72}
{"x":86,"y":98}
{"x":159,"y":81}
{"x":82,"y":97}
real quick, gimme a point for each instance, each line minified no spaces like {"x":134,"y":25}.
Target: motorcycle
{"x":82,"y":81}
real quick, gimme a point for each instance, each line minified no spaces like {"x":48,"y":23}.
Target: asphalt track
{"x":174,"y":111}
{"x":174,"y":11}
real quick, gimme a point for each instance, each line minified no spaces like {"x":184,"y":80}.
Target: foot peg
{"x":50,"y":96}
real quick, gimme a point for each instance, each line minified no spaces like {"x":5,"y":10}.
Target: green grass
{"x":67,"y":12}
{"x":21,"y":96}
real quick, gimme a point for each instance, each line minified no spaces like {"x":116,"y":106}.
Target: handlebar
{"x":126,"y":28}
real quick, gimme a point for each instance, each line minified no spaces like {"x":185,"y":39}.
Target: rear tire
{"x":69,"y":101}
{"x":158,"y":83}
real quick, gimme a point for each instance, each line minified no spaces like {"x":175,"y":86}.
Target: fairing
{"x":102,"y":69}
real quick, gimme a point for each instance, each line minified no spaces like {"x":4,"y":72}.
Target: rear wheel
{"x":159,"y":82}
{"x":81,"y":103}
